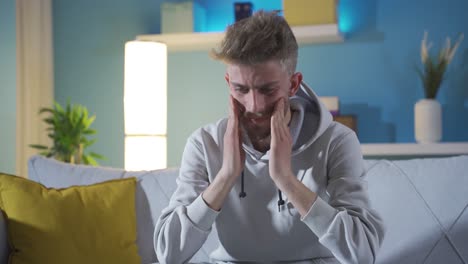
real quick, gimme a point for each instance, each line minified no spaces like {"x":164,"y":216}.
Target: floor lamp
{"x":145,"y":105}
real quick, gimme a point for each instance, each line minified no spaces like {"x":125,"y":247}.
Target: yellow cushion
{"x":309,"y":12}
{"x":80,"y":224}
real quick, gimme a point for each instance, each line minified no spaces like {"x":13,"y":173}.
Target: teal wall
{"x":372,"y":72}
{"x":89,"y":39}
{"x":7,"y":86}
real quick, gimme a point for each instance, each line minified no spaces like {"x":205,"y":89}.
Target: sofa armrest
{"x":4,"y":248}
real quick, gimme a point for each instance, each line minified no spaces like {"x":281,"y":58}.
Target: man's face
{"x":257,"y":89}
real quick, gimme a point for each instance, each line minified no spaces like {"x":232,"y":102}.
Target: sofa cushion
{"x":153,"y":191}
{"x":423,"y":203}
{"x":443,"y":184}
{"x":80,"y":224}
{"x":458,"y":234}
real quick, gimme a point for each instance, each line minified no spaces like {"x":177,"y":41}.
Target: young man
{"x":279,"y":179}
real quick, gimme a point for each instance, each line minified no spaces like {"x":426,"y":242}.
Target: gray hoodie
{"x":326,"y":157}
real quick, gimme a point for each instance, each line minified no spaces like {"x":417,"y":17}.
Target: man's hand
{"x":280,"y":146}
{"x":233,"y":154}
{"x":233,"y":161}
{"x":280,"y":163}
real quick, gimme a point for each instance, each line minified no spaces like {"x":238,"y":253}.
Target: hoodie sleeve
{"x":186,"y":222}
{"x":346,"y":225}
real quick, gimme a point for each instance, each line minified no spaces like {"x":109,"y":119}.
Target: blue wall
{"x":376,"y":66}
{"x":7,"y":85}
{"x":372,"y":71}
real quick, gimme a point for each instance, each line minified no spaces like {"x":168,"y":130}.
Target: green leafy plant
{"x":434,"y":68}
{"x":69,"y":129}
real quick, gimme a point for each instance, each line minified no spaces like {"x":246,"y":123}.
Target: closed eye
{"x":241,"y":89}
{"x":268,"y":88}
{"x":266,"y":91}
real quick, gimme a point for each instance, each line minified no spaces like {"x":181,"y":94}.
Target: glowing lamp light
{"x":145,"y":105}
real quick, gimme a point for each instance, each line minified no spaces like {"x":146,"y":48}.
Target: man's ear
{"x":296,"y":80}
{"x":226,"y":77}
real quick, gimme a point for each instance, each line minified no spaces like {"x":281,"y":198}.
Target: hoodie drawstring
{"x":243,"y":194}
{"x":280,"y":200}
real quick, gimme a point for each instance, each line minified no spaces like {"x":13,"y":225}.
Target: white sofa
{"x":422,"y":201}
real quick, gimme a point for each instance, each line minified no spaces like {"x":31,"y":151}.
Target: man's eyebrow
{"x":264,"y":85}
{"x":238,"y":84}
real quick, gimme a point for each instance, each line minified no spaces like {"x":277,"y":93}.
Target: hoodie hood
{"x":310,"y":105}
{"x":309,"y":120}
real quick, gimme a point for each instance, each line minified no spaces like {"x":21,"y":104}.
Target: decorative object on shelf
{"x":428,"y":111}
{"x":428,"y":121}
{"x":242,"y":10}
{"x":69,"y":129}
{"x":182,"y":17}
{"x":307,"y":12}
{"x":347,"y":120}
{"x":332,"y":103}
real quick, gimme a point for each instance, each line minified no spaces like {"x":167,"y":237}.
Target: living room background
{"x":372,"y":71}
{"x":7,"y":85}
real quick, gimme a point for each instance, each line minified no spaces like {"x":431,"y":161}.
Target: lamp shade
{"x":145,"y":92}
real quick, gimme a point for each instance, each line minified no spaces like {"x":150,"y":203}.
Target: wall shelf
{"x":327,"y":33}
{"x":414,"y":149}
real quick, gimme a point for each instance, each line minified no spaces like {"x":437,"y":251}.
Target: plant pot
{"x":427,"y":121}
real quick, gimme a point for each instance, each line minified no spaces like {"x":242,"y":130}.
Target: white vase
{"x":427,"y":121}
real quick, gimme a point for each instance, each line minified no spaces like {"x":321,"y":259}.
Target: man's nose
{"x":256,"y":102}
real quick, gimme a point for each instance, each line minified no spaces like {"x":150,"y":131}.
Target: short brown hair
{"x":262,"y":37}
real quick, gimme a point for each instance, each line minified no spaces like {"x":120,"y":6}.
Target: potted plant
{"x":69,"y":129}
{"x":428,"y":111}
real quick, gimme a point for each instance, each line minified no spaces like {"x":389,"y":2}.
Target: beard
{"x":258,"y":125}
{"x":257,"y":128}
